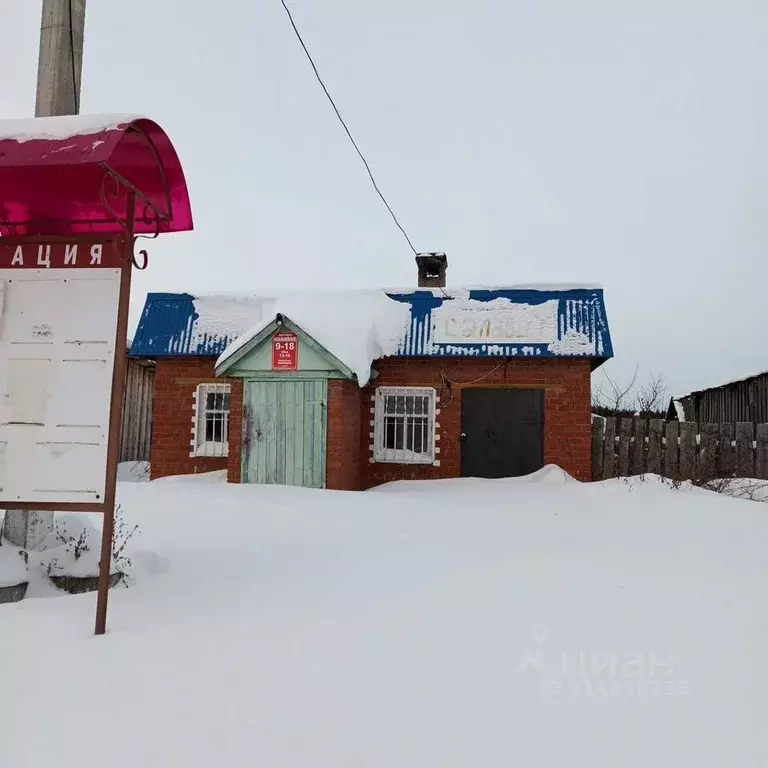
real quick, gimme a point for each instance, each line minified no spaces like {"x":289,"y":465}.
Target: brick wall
{"x":343,"y":470}
{"x":176,"y":380}
{"x":567,"y":409}
{"x":566,"y":416}
{"x":236,"y":413}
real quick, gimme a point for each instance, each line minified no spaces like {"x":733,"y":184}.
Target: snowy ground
{"x":534,"y":622}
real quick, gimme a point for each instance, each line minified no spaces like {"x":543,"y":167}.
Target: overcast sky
{"x":623,"y":142}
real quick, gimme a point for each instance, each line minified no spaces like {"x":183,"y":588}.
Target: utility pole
{"x":59,"y":67}
{"x":60,"y":61}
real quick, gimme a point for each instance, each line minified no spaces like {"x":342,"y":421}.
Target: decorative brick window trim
{"x":210,"y":420}
{"x":405,"y":426}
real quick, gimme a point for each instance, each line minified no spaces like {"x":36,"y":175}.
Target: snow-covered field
{"x":533,"y":622}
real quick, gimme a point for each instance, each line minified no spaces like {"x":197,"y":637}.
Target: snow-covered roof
{"x":356,"y":327}
{"x":465,"y":290}
{"x":353,"y":325}
{"x":61,"y":127}
{"x":730,"y":383}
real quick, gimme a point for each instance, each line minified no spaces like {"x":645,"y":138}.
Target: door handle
{"x":463,"y":437}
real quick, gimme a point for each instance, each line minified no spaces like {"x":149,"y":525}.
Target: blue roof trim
{"x":167,"y":327}
{"x":579,"y":310}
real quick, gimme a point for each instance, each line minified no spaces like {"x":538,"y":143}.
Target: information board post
{"x":115,"y":419}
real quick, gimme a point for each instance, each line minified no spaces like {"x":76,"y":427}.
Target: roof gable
{"x":250,"y":343}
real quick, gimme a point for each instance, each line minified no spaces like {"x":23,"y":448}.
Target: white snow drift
{"x":534,"y":622}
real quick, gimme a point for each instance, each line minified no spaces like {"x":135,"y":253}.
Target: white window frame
{"x":201,"y":446}
{"x":383,"y":454}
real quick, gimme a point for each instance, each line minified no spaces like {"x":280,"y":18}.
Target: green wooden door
{"x":284,"y":432}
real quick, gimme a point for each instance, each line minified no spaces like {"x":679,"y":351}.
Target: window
{"x":404,"y":425}
{"x":211,"y":436}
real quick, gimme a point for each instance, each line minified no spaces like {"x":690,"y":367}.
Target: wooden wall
{"x":745,"y":400}
{"x":136,"y":431}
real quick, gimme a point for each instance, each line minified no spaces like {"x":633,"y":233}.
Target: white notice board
{"x":57,"y":356}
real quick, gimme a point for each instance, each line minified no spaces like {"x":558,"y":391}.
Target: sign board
{"x":58,"y":333}
{"x":495,"y":322}
{"x":285,"y":352}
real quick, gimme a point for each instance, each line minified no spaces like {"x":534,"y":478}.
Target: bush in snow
{"x":738,"y":487}
{"x":77,"y":546}
{"x":133,"y":471}
{"x":122,"y":534}
{"x":76,"y":539}
{"x":75,"y":543}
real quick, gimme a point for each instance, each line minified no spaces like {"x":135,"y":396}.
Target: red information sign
{"x":285,"y":352}
{"x":81,"y":252}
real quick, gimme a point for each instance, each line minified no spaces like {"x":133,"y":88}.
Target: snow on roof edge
{"x":244,"y":338}
{"x":461,"y":289}
{"x":724,"y":384}
{"x":61,"y":126}
{"x":450,"y":291}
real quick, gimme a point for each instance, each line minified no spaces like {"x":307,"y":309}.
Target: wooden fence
{"x":678,"y":450}
{"x":137,"y":410}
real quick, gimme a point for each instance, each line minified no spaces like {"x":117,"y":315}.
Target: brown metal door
{"x":502,"y":432}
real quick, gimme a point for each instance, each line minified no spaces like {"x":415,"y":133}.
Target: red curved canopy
{"x":72,"y":175}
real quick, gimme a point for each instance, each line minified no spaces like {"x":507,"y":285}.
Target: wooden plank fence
{"x":678,"y":450}
{"x":136,"y":429}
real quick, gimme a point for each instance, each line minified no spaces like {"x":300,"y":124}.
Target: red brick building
{"x":481,"y":382}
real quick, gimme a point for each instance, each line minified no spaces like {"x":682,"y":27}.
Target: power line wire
{"x":344,"y":125}
{"x":72,"y":59}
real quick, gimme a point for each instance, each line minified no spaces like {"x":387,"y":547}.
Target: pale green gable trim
{"x":259,"y":360}
{"x":278,"y":375}
{"x":254,"y":359}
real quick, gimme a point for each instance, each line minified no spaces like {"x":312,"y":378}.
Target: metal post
{"x":59,"y":68}
{"x":115,"y":417}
